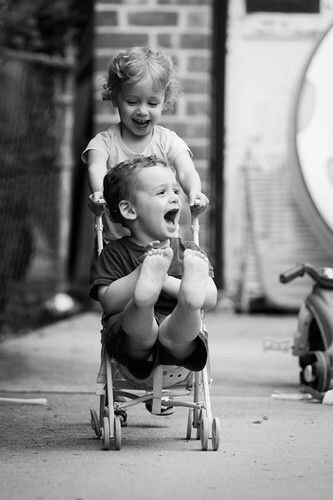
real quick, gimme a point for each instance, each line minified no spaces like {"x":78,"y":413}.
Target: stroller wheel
{"x":95,"y":423}
{"x":189,"y":424}
{"x":106,"y":434}
{"x":117,"y":432}
{"x":216,"y":433}
{"x":197,"y":419}
{"x":204,"y":433}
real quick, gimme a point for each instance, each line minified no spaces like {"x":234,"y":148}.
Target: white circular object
{"x":313,"y":140}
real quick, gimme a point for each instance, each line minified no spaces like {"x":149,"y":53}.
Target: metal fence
{"x":36,"y":94}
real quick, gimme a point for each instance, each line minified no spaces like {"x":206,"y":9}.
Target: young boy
{"x":150,"y":284}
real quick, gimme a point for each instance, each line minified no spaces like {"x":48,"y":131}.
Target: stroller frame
{"x":119,"y":390}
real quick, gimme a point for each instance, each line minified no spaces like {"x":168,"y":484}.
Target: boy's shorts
{"x":114,"y":340}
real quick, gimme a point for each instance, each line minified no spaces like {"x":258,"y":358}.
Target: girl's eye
{"x":131,"y":103}
{"x":153,"y":104}
{"x":162,"y":191}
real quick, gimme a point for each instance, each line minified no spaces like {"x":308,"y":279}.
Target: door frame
{"x":219,"y":49}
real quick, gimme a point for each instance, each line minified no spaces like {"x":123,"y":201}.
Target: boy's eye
{"x":161,"y":191}
{"x":176,"y":190}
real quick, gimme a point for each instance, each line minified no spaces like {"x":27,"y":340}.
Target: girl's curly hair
{"x":137,"y":64}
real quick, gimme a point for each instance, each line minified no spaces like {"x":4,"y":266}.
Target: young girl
{"x":140,"y":84}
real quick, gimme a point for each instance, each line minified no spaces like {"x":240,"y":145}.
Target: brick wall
{"x":183,"y":29}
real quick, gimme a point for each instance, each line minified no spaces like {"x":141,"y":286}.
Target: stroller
{"x":119,"y":390}
{"x":314,"y":336}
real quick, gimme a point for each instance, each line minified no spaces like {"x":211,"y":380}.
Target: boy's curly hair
{"x":139,"y":63}
{"x":119,"y":182}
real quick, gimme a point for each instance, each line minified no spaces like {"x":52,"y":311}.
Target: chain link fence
{"x":35,"y":181}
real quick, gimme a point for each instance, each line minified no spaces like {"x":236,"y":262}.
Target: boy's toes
{"x":152,"y":275}
{"x":193,"y":253}
{"x":168,"y":253}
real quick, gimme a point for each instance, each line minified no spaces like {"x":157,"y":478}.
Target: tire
{"x":322,"y":371}
{"x":106,"y":434}
{"x":216,"y":430}
{"x":204,"y":432}
{"x":318,"y":362}
{"x":189,"y":424}
{"x":117,"y":432}
{"x":198,"y":426}
{"x":95,"y":424}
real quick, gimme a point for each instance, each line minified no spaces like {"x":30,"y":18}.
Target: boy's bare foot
{"x":193,"y":286}
{"x":152,"y":275}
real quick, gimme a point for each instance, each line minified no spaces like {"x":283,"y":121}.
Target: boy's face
{"x":157,"y":205}
{"x":140,"y":108}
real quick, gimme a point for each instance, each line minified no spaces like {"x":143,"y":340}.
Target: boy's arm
{"x":117,"y":295}
{"x":172,"y":285}
{"x":190,"y":182}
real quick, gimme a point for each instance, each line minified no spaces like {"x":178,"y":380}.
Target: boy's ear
{"x":127,"y":210}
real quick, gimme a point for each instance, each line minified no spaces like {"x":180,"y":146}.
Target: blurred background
{"x":256,"y":111}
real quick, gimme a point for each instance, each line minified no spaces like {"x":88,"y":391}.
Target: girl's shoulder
{"x":110,"y":133}
{"x":164,"y":132}
{"x":103,"y":139}
{"x":170,"y":142}
{"x":169,"y":139}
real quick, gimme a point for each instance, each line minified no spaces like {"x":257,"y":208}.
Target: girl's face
{"x":140,"y":108}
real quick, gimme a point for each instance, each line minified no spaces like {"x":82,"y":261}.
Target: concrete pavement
{"x":270,"y":449}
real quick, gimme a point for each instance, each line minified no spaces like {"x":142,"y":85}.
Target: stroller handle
{"x":195,"y":227}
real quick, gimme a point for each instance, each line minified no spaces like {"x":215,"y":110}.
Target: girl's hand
{"x":152,"y":244}
{"x":198,"y":202}
{"x":149,"y":246}
{"x":96,"y":203}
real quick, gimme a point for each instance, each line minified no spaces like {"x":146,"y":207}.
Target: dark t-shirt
{"x":120,"y":257}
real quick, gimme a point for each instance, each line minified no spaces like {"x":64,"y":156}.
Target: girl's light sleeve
{"x":100,"y":143}
{"x":176,"y":145}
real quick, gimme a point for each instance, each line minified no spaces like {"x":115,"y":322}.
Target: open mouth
{"x":171,"y":217}
{"x":142,"y":123}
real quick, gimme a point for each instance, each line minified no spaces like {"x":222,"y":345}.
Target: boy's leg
{"x":179,"y":330}
{"x":138,"y":316}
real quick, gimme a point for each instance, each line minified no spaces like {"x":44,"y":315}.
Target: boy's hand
{"x":198,"y":202}
{"x":96,"y":203}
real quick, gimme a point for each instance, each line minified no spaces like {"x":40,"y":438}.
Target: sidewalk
{"x":270,"y":449}
{"x":64,"y":357}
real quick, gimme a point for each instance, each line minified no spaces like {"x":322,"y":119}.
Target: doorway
{"x":220,"y":13}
